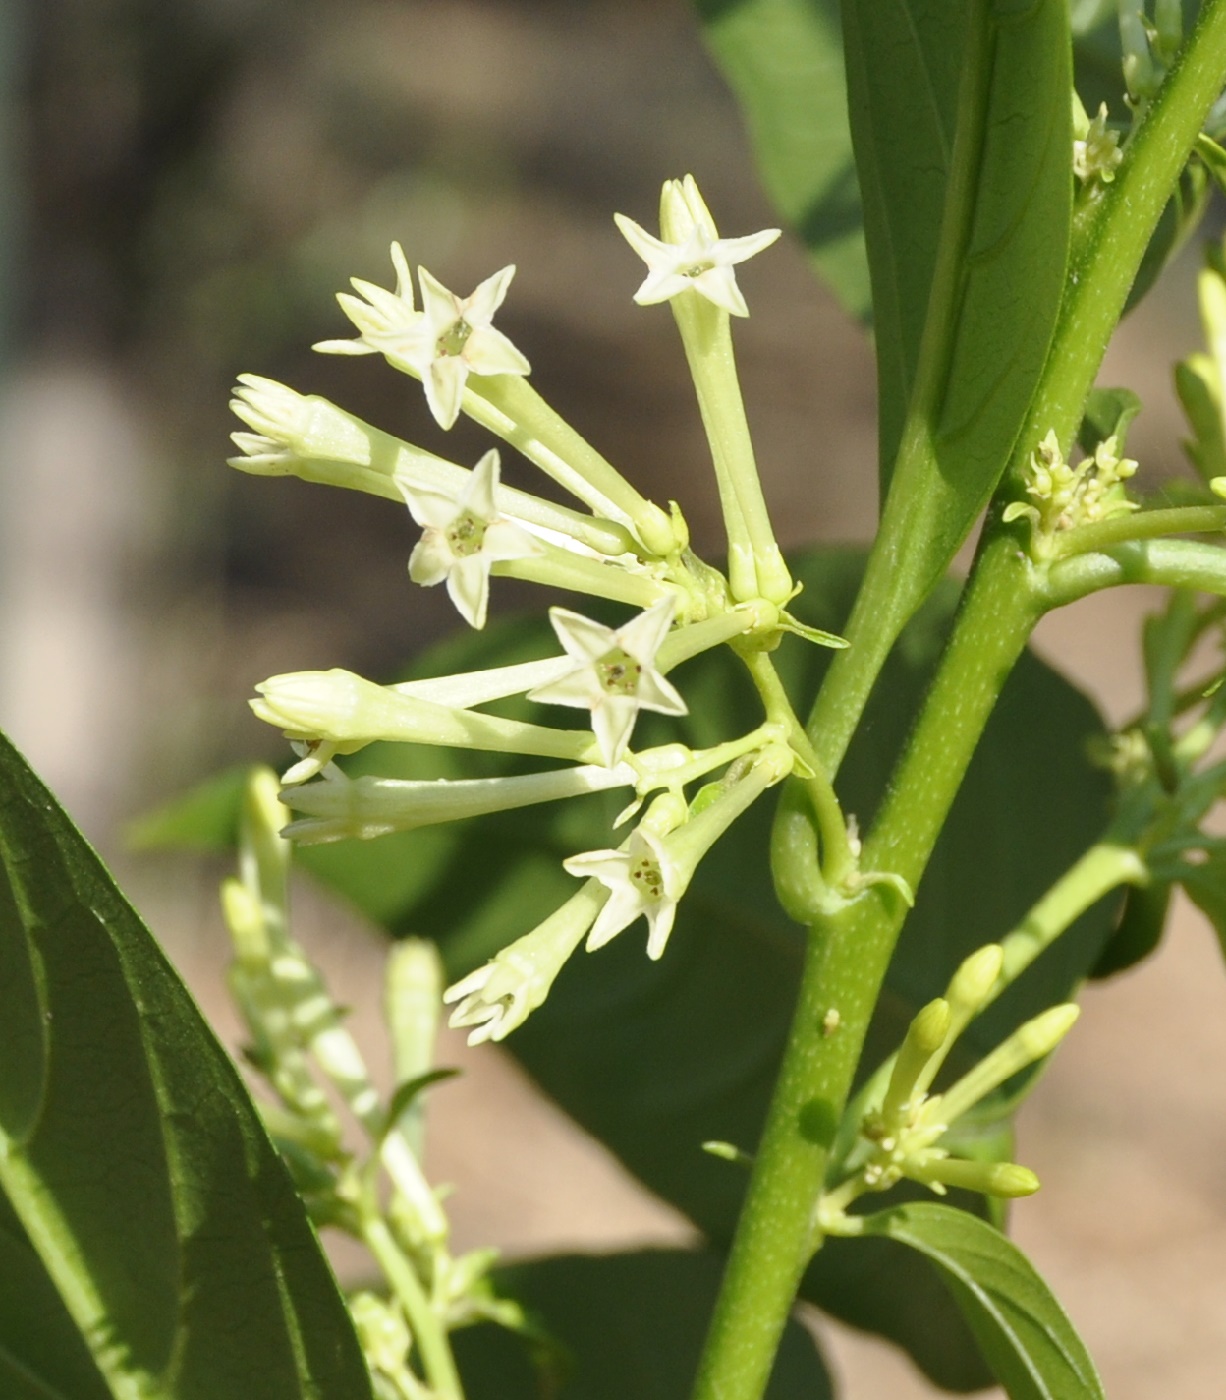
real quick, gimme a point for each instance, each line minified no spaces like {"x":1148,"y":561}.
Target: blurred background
{"x":184,"y":186}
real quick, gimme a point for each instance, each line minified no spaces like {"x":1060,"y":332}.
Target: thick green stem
{"x":846,"y":964}
{"x":1171,"y":563}
{"x":849,"y":953}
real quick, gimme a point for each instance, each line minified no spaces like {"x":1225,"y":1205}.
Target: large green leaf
{"x":784,"y":61}
{"x":655,"y":1058}
{"x":960,"y":115}
{"x":626,"y":1325}
{"x":133,"y":1156}
{"x":1033,"y":1348}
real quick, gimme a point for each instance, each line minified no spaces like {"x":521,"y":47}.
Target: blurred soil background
{"x":184,"y":185}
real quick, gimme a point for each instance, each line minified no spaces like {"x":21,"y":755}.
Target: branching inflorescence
{"x":616,"y":545}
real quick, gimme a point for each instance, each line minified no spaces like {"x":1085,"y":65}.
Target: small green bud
{"x":990,"y":1178}
{"x":925,"y":1037}
{"x":1030,"y":1042}
{"x":972,"y":984}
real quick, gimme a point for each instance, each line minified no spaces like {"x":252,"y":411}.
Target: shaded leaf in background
{"x":1139,"y":931}
{"x":655,"y":1058}
{"x":784,"y":61}
{"x":132,"y":1153}
{"x":630,"y":1325}
{"x":1032,"y":1346}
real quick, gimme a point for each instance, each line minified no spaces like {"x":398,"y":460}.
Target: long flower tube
{"x":337,"y":808}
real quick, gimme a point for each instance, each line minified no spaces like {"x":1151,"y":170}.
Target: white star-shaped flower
{"x":615,"y":676}
{"x":693,"y":256}
{"x":463,"y":537}
{"x":642,"y":878}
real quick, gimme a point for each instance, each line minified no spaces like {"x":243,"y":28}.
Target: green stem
{"x":838,"y":859}
{"x":1112,"y":237}
{"x":1172,"y":563}
{"x":508,"y":405}
{"x":847,"y":959}
{"x":1147,"y":525}
{"x":1104,"y":867}
{"x":578,"y":573}
{"x":429,"y":1335}
{"x":755,"y":566}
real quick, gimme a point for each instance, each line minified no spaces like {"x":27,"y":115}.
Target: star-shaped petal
{"x":642,"y":878}
{"x":694,"y":257}
{"x":615,"y":675}
{"x":463,"y":537}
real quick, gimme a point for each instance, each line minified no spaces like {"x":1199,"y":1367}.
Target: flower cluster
{"x":1066,"y":496}
{"x":1096,"y":147}
{"x":910,"y":1132}
{"x":614,"y":544}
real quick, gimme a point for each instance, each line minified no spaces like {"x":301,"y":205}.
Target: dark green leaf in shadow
{"x":42,"y":1353}
{"x":784,"y":61}
{"x":132,"y":1153}
{"x":1108,"y":413}
{"x":1139,"y":930}
{"x":628,"y":1325}
{"x":1206,"y":888}
{"x":1031,"y":1345}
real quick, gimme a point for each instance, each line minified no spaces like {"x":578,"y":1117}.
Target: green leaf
{"x":131,"y":1152}
{"x":784,"y":61}
{"x":1033,"y":1349}
{"x":1108,"y":413}
{"x":1206,"y":888}
{"x":42,"y":1354}
{"x":1139,"y":931}
{"x":204,"y":819}
{"x":627,"y":1325}
{"x":961,"y":120}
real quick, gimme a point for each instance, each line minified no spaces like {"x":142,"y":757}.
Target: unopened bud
{"x":925,"y":1037}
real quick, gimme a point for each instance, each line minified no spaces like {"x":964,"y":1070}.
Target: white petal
{"x":478,"y":495}
{"x":507,"y":539}
{"x":468,"y":586}
{"x":431,"y":561}
{"x":444,"y":385}
{"x":661,"y":284}
{"x":642,"y":635}
{"x":660,"y":920}
{"x":646,"y":245}
{"x":488,"y":297}
{"x":612,"y":722}
{"x":718,"y":285}
{"x":440,"y":307}
{"x":737,"y":250}
{"x":404,"y":283}
{"x":582,"y":638}
{"x":655,"y":693}
{"x":343,"y":347}
{"x":488,"y":351}
{"x":429,"y":508}
{"x":579,"y":689}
